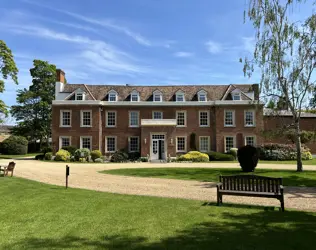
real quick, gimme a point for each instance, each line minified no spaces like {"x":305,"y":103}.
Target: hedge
{"x":194,"y":156}
{"x":216,"y":156}
{"x":14,"y":145}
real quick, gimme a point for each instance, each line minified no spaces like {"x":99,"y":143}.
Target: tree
{"x":271,"y":104}
{"x":285,"y":52}
{"x":34,"y":109}
{"x":7,"y":69}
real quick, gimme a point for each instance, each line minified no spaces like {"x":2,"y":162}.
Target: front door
{"x":158,"y":147}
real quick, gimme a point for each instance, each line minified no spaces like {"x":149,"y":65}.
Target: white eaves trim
{"x":158,"y":122}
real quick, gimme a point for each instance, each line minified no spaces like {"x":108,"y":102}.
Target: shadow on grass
{"x":256,"y":230}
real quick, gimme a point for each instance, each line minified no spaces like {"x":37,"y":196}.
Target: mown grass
{"x":290,"y":177}
{"x":39,"y":216}
{"x":17,"y":156}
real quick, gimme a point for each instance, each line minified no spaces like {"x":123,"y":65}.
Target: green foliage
{"x":248,"y":158}
{"x":95,"y":154}
{"x":48,"y":156}
{"x":133,"y":156}
{"x":271,"y":104}
{"x":14,"y":145}
{"x":98,"y":160}
{"x":70,"y":149}
{"x":120,"y":156}
{"x":62,"y":155}
{"x":193,"y":141}
{"x":143,"y":159}
{"x":46,"y":150}
{"x":39,"y":157}
{"x":233,"y":152}
{"x":307,"y":156}
{"x":33,"y":111}
{"x":217,"y":156}
{"x":82,"y":159}
{"x":7,"y":69}
{"x":306,"y":136}
{"x":194,"y":156}
{"x":82,"y":153}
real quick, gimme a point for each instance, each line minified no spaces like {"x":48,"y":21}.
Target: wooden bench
{"x":250,"y":185}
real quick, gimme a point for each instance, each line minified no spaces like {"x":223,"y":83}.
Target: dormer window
{"x":236,"y":96}
{"x":202,"y":96}
{"x":79,"y":96}
{"x":180,"y":97}
{"x":134,"y":96}
{"x":157,"y":96}
{"x":112,"y":96}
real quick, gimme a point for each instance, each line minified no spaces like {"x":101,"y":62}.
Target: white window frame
{"x":129,"y":119}
{"x":60,"y":140}
{"x":178,"y":94}
{"x":80,"y":93}
{"x":129,"y":144}
{"x":202,"y":92}
{"x":254,"y":139}
{"x":185,"y":144}
{"x":253,"y":115}
{"x":81,"y":119}
{"x":153,"y":117}
{"x":236,"y":94}
{"x":208,"y":118}
{"x":106,"y":119}
{"x":234,"y":142}
{"x":61,"y":118}
{"x":112,"y":92}
{"x":134,"y":93}
{"x":208,"y":141}
{"x":157,"y":93}
{"x":90,"y":137}
{"x":106,"y":144}
{"x":234,"y":117}
{"x":185,"y":117}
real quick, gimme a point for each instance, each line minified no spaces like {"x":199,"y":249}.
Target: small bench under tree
{"x":250,"y":185}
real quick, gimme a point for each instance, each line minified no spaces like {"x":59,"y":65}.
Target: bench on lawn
{"x":250,"y":185}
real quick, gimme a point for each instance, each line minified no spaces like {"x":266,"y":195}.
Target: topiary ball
{"x":248,"y":158}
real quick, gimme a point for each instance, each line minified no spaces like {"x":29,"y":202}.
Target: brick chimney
{"x":60,"y":83}
{"x":60,"y":75}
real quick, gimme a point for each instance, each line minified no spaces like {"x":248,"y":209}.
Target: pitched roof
{"x":271,"y":112}
{"x":99,"y":92}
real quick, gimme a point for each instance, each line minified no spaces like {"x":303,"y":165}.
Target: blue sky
{"x":138,"y":42}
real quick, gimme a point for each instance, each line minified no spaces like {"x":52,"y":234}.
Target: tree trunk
{"x":298,"y":147}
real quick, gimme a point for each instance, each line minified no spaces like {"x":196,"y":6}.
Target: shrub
{"x":62,"y":155}
{"x":133,"y":156}
{"x":82,"y":153}
{"x":216,"y":156}
{"x":143,"y":159}
{"x":120,"y":156}
{"x":306,"y":136}
{"x":248,"y":158}
{"x":95,"y":154}
{"x":307,"y":156}
{"x":98,"y":160}
{"x":82,"y":159}
{"x":48,"y":156}
{"x":233,"y":152}
{"x":39,"y":157}
{"x":194,"y":156}
{"x":14,"y":145}
{"x":70,"y":149}
{"x":46,"y":150}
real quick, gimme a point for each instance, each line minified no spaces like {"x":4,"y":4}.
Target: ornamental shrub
{"x":98,"y":160}
{"x":62,"y":155}
{"x":194,"y":156}
{"x":96,"y":154}
{"x":70,"y":149}
{"x":133,"y":156}
{"x":14,"y":145}
{"x":120,"y":156}
{"x":307,"y":156}
{"x":248,"y":158}
{"x":48,"y":156}
{"x":216,"y":156}
{"x":82,"y":153}
{"x":233,"y":152}
{"x":143,"y":159}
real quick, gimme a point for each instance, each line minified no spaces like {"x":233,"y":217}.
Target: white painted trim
{"x":60,"y":140}
{"x":234,"y":118}
{"x":83,"y":96}
{"x":235,"y":95}
{"x":151,"y":142}
{"x":185,"y":144}
{"x":81,"y":137}
{"x":106,"y":119}
{"x":202,"y":92}
{"x":254,"y":118}
{"x":81,"y":119}
{"x":129,"y":119}
{"x":61,"y":118}
{"x":208,"y":119}
{"x":158,"y":122}
{"x":254,"y":139}
{"x":111,"y":92}
{"x":209,"y":143}
{"x":157,"y":93}
{"x":180,"y":93}
{"x":153,"y":118}
{"x":129,"y":144}
{"x":106,"y":144}
{"x":185,"y":118}
{"x":234,"y":141}
{"x":134,"y":92}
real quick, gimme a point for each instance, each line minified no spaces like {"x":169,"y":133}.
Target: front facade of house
{"x":157,"y":121}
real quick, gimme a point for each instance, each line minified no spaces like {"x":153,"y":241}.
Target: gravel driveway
{"x":86,"y":176}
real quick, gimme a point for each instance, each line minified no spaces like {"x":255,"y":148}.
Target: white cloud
{"x":183,"y":54}
{"x":213,"y":47}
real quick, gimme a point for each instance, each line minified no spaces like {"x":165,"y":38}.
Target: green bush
{"x":248,"y":158}
{"x":307,"y":156}
{"x":233,"y":152}
{"x":133,"y":156}
{"x":120,"y":156}
{"x":96,"y":154}
{"x":62,"y":155}
{"x":48,"y":156}
{"x":14,"y":145}
{"x":82,"y":153}
{"x":39,"y":157}
{"x":70,"y":149}
{"x":194,"y":156}
{"x":306,"y":136}
{"x":46,"y":150}
{"x":143,"y":159}
{"x":82,"y":159}
{"x":216,"y":156}
{"x":98,"y":160}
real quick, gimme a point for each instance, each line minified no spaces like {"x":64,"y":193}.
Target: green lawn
{"x":290,"y":177}
{"x":17,"y":156}
{"x":40,"y":216}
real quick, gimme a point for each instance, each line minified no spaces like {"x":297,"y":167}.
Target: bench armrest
{"x":281,"y":187}
{"x":219,"y":184}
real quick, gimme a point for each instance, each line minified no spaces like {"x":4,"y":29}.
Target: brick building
{"x":157,"y":121}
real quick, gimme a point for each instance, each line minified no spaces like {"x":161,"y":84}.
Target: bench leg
{"x":282,"y":203}
{"x":219,"y":199}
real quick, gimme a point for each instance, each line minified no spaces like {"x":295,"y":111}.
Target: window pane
{"x":134,"y":118}
{"x":157,"y":97}
{"x":79,"y":97}
{"x":250,"y":140}
{"x":157,"y":115}
{"x":111,"y":119}
{"x":229,"y":120}
{"x":86,"y":142}
{"x":202,"y":97}
{"x":181,"y":144}
{"x":112,"y":97}
{"x":203,"y":118}
{"x":65,"y":141}
{"x":236,"y":97}
{"x":204,"y":144}
{"x":249,"y":118}
{"x":181,"y":118}
{"x":66,"y":118}
{"x":134,"y":97}
{"x":110,"y":144}
{"x":229,"y":143}
{"x":133,"y":144}
{"x":86,"y":118}
{"x":180,"y":98}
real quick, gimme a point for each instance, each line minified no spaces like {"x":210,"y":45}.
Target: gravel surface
{"x":86,"y":176}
